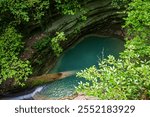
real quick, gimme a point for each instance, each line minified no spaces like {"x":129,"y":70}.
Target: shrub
{"x":55,"y":42}
{"x":11,"y":65}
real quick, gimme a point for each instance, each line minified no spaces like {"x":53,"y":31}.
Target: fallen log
{"x":46,"y":78}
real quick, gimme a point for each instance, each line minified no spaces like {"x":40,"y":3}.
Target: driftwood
{"x":46,"y":78}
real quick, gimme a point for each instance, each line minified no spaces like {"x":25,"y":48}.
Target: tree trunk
{"x":46,"y":78}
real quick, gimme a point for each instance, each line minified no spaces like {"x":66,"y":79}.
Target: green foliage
{"x":11,"y":65}
{"x":55,"y":42}
{"x":138,"y":20}
{"x":129,"y":76}
{"x":52,"y":42}
{"x":18,"y":11}
{"x":120,"y":3}
{"x":83,"y":18}
{"x":42,"y":44}
{"x":68,"y":6}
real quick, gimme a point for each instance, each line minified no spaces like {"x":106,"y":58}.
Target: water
{"x":83,"y":55}
{"x":25,"y":95}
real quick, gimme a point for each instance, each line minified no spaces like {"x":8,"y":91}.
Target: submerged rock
{"x":75,"y":96}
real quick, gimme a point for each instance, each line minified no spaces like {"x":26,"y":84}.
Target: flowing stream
{"x":82,"y":55}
